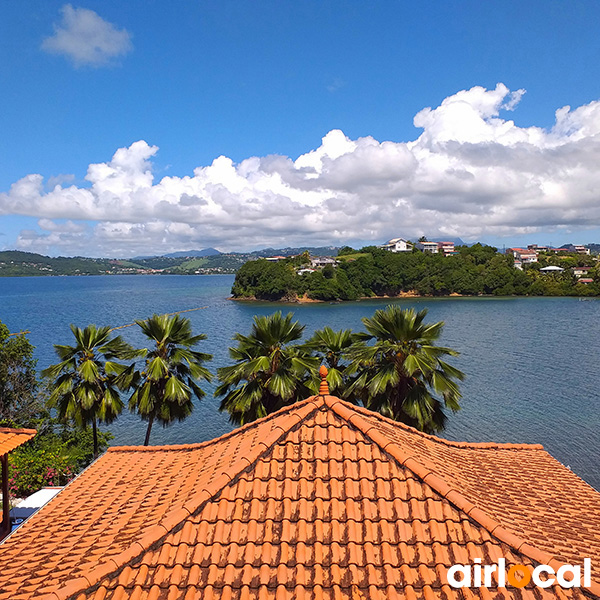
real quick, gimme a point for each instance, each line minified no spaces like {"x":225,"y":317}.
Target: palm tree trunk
{"x":95,"y":433}
{"x":150,"y":421}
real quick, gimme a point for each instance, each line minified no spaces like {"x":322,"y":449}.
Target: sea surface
{"x":532,"y":364}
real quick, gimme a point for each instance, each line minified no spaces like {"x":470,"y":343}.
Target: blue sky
{"x":178,"y":84}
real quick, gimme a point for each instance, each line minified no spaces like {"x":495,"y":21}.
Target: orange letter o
{"x":522,"y":570}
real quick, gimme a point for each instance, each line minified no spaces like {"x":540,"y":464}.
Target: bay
{"x":531,"y":363}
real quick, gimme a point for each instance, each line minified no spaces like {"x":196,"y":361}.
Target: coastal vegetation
{"x":374,"y":272}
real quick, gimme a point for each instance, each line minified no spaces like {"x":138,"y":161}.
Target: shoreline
{"x":401,"y":296}
{"x":306,"y":300}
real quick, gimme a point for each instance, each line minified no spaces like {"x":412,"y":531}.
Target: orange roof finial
{"x":323,"y":388}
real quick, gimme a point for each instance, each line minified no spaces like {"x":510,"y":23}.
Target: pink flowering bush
{"x":31,"y":470}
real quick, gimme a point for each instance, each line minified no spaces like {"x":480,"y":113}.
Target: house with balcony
{"x":430,"y":247}
{"x":581,"y":271}
{"x":538,"y":248}
{"x":446,"y":248}
{"x":580,"y":249}
{"x":523,"y":256}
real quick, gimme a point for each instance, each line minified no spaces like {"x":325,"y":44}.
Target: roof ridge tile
{"x":155,"y":533}
{"x":426,"y":473}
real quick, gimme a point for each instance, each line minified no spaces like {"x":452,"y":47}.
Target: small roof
{"x":552,"y":268}
{"x":13,"y":438}
{"x":321,"y":500}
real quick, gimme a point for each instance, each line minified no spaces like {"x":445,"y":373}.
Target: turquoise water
{"x":531,"y":363}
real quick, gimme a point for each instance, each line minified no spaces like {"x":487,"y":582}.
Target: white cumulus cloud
{"x":472,"y":172}
{"x":86,"y":38}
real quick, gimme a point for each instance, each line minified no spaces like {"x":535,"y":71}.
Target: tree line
{"x":393,"y":367}
{"x":372,"y":272}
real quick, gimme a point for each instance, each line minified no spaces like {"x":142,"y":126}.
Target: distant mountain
{"x":455,"y":240}
{"x":183,"y":254}
{"x":193,"y":253}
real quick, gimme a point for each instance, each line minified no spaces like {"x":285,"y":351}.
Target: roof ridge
{"x":427,"y":474}
{"x":156,"y":532}
{"x":444,"y":441}
{"x":233,"y":433}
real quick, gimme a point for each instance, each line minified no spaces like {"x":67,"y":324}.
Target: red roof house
{"x":321,"y":500}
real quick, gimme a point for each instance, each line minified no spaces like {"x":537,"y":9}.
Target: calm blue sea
{"x":531,"y":363}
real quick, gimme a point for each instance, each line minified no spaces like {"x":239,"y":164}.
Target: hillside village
{"x":426,"y":267}
{"x":534,"y":254}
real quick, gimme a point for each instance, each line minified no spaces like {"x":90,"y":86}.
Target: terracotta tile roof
{"x":13,"y":438}
{"x":320,"y":500}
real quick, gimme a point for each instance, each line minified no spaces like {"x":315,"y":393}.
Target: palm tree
{"x":333,"y":347}
{"x":269,"y":371}
{"x":402,"y":374}
{"x":86,"y":381}
{"x":164,"y":390}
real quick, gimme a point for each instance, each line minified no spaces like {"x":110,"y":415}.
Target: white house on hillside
{"x":322,"y":261}
{"x":398,"y":245}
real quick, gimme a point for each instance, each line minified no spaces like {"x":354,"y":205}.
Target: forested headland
{"x":373,"y":272}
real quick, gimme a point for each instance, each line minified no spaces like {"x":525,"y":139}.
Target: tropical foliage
{"x":403,"y":373}
{"x":269,"y":372}
{"x":165,"y":388}
{"x":87,"y":380}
